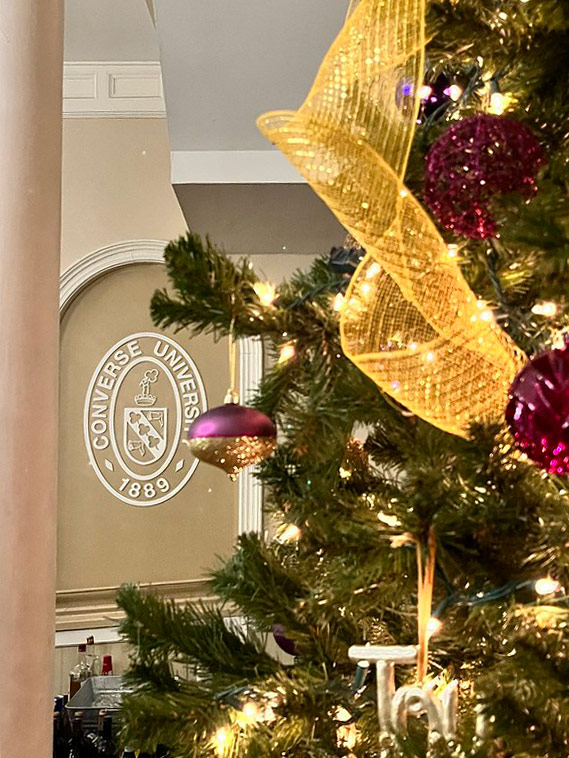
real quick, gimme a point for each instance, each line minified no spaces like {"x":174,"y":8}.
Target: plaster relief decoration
{"x":142,"y":398}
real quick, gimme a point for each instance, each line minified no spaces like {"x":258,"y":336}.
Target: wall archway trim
{"x":99,"y":262}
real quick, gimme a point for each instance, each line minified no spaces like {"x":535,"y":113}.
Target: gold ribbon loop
{"x":411,"y":322}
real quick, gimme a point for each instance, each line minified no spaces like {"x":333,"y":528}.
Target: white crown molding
{"x":95,"y":607}
{"x":107,"y":89}
{"x":232,"y":167}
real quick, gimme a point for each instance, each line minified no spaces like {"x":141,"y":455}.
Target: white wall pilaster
{"x":250,"y":490}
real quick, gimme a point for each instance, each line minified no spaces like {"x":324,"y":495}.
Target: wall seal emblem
{"x":141,"y":401}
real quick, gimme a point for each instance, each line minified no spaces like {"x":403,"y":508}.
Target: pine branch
{"x":184,"y":720}
{"x":500,"y":523}
{"x":196,"y":635}
{"x":210,"y":290}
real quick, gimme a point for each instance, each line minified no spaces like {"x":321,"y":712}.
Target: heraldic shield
{"x":145,"y":434}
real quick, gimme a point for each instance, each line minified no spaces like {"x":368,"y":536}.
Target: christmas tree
{"x":419,"y":563}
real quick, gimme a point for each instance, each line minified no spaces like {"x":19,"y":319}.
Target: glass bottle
{"x":96,"y":738}
{"x":100,"y":718}
{"x":93,"y":660}
{"x":58,"y":735}
{"x":57,"y":745}
{"x":107,"y":745}
{"x":76,"y":741}
{"x":79,"y":672}
{"x":65,"y":721}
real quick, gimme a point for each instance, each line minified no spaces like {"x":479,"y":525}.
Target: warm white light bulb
{"x":425,"y":92}
{"x":434,"y":626}
{"x":288,"y":533}
{"x":497,"y":104}
{"x":220,"y":740}
{"x":455,"y":92}
{"x":266,"y":293}
{"x":342,"y":714}
{"x":545,"y":309}
{"x":547,"y":586}
{"x":347,"y":734}
{"x":251,"y":711}
{"x":338,"y":302}
{"x":268,"y":715}
{"x":287,"y":352}
{"x":388,"y":519}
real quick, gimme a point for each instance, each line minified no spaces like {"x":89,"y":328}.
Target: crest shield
{"x":145,"y":434}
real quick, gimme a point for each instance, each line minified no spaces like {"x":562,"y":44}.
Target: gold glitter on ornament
{"x":410,"y":321}
{"x":232,"y":454}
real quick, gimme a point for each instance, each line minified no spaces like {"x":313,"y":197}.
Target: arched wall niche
{"x":93,"y":607}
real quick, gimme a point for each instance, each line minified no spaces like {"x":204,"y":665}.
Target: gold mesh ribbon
{"x":411,"y":322}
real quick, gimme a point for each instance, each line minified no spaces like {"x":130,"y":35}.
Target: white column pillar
{"x":30,"y":177}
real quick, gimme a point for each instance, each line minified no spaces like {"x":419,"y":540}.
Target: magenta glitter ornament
{"x":471,"y":162}
{"x":232,"y":437}
{"x":538,"y":410}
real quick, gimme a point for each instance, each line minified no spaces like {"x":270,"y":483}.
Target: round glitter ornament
{"x":232,"y":437}
{"x":285,"y":643}
{"x":538,"y":410}
{"x":473,"y":161}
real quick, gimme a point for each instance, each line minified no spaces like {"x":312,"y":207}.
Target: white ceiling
{"x":224,"y":62}
{"x":109,"y":30}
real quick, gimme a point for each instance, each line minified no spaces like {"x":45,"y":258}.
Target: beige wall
{"x":103,"y":541}
{"x":116,"y":187}
{"x":276,"y":267}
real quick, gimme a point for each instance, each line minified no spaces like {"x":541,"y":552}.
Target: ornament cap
{"x":231,"y":397}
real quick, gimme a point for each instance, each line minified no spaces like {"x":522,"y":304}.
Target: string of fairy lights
{"x":247,"y":712}
{"x":250,"y":712}
{"x":549,"y":587}
{"x":251,"y":708}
